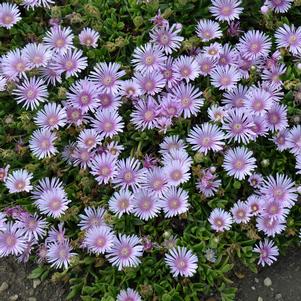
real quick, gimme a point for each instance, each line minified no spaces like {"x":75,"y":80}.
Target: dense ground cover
{"x":236,"y":92}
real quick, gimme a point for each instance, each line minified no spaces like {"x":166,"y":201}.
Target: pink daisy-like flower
{"x":206,"y":64}
{"x":37,"y":55}
{"x":236,"y":98}
{"x":50,"y":75}
{"x":51,"y":117}
{"x":128,"y":295}
{"x":169,"y":107}
{"x":9,"y":15}
{"x":186,"y":68}
{"x":109,"y":101}
{"x":167,"y":37}
{"x":103,"y":167}
{"x":225,"y":10}
{"x":280,"y":189}
{"x":125,"y":252}
{"x":225,"y":77}
{"x":145,"y":204}
{"x":121,"y":202}
{"x":75,"y":116}
{"x":82,"y":157}
{"x":255,"y":180}
{"x":31,"y":92}
{"x":289,"y":37}
{"x":107,"y":123}
{"x":4,"y":173}
{"x":150,"y":82}
{"x":107,"y":77}
{"x":171,"y":143}
{"x":182,"y":262}
{"x":258,"y":101}
{"x":272,"y":77}
{"x":145,"y":113}
{"x":14,"y":65}
{"x":155,"y":181}
{"x":279,"y":6}
{"x":168,"y":72}
{"x":174,"y":201}
{"x":254,"y":44}
{"x":56,"y":234}
{"x":216,"y":113}
{"x":268,"y":252}
{"x":220,"y":220}
{"x":227,"y":55}
{"x":60,"y":254}
{"x":47,"y":184}
{"x":148,"y":57}
{"x":207,"y":137}
{"x":12,"y":241}
{"x":41,"y":143}
{"x":260,"y":127}
{"x":189,"y":98}
{"x":208,"y":183}
{"x":207,"y":30}
{"x":274,"y":210}
{"x":19,"y":180}
{"x":276,"y":117}
{"x":88,"y":37}
{"x":3,"y":82}
{"x":92,"y":217}
{"x":83,"y":94}
{"x":71,"y":62}
{"x":255,"y":204}
{"x":130,"y":89}
{"x":241,"y":212}
{"x":294,"y":140}
{"x":59,"y":39}
{"x":99,"y":239}
{"x":238,"y":124}
{"x":239,"y":162}
{"x":129,"y":174}
{"x":33,"y":226}
{"x":177,"y":172}
{"x":53,"y":203}
{"x":298,"y":164}
{"x":88,"y":138}
{"x":269,"y":226}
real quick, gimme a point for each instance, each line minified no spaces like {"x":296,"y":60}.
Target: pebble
{"x":256,"y":280}
{"x":13,"y":298}
{"x":3,"y":287}
{"x":36,"y":283}
{"x":253,"y":288}
{"x":267,"y":282}
{"x":32,"y":299}
{"x":259,"y":299}
{"x":278,"y":297}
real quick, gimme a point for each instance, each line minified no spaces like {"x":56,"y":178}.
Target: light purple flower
{"x":269,"y":226}
{"x":121,"y":202}
{"x":207,"y":137}
{"x":255,"y":180}
{"x":236,"y":98}
{"x":59,"y":39}
{"x":241,"y":212}
{"x":88,"y":37}
{"x":174,"y":201}
{"x":37,"y":55}
{"x":51,"y":117}
{"x":19,"y":180}
{"x":125,"y":252}
{"x":145,"y":204}
{"x":268,"y":252}
{"x":220,"y":220}
{"x":151,"y":82}
{"x":155,"y":180}
{"x":279,"y":6}
{"x":206,"y":63}
{"x":41,"y":143}
{"x":239,"y":162}
{"x":167,"y":37}
{"x":186,"y":68}
{"x":93,"y":217}
{"x":289,"y":37}
{"x":128,"y":295}
{"x":99,"y":239}
{"x":294,"y":140}
{"x":12,"y":241}
{"x":182,"y":262}
{"x":9,"y":15}
{"x":60,"y":254}
{"x":208,"y":183}
{"x":258,"y":101}
{"x":208,"y":30}
{"x":276,"y":117}
{"x":255,"y":204}
{"x":225,"y":10}
{"x":225,"y":77}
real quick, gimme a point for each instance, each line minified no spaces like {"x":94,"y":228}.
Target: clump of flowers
{"x":179,"y":168}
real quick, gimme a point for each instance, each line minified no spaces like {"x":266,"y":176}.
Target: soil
{"x":280,"y":282}
{"x":20,"y":288}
